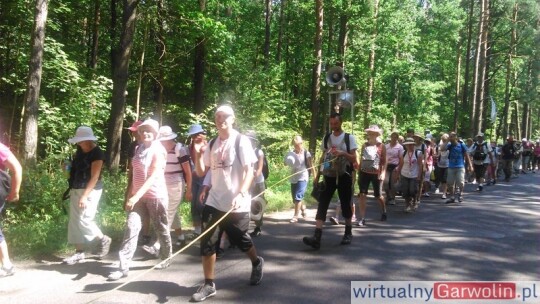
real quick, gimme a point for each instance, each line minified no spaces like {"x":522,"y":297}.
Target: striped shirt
{"x":173,"y":168}
{"x":142,"y":162}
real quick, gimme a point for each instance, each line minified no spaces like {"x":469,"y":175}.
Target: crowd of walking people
{"x":224,"y":179}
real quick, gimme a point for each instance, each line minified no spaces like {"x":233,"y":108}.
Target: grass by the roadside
{"x":37,"y":225}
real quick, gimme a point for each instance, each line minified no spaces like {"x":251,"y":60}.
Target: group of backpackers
{"x":405,"y":166}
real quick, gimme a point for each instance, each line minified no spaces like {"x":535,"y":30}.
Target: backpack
{"x":265,"y":171}
{"x":336,"y":166}
{"x":479,"y":154}
{"x":371,"y":161}
{"x":236,"y":144}
{"x":5,"y":185}
{"x":415,"y":153}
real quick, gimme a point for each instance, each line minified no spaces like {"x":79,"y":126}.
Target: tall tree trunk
{"x":458,"y":85}
{"x":525,"y":121}
{"x":33,"y":87}
{"x":343,"y":33}
{"x":515,"y":119}
{"x":198,"y":69}
{"x":160,"y":54}
{"x":112,"y":35}
{"x":95,"y":35}
{"x":267,"y":24}
{"x":120,"y":81}
{"x":510,"y":55}
{"x":282,"y":22}
{"x":371,"y":65}
{"x":477,"y":78}
{"x":482,"y":76}
{"x":466,"y":77}
{"x":141,"y":70}
{"x":395,"y":102}
{"x":316,"y":75}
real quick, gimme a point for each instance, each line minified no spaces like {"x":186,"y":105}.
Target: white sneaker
{"x":151,"y":250}
{"x":437,"y":191}
{"x":443,"y":196}
{"x":74,"y":259}
{"x":117,"y":275}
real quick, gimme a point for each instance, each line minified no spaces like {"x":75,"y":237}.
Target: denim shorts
{"x":298,"y":190}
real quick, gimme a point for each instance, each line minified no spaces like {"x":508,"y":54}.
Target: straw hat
{"x":408,"y":141}
{"x":374,"y":129}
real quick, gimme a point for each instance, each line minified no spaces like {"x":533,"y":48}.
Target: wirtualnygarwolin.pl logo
{"x":445,"y":292}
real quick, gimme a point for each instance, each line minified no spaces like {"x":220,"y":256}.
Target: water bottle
{"x":67,"y":167}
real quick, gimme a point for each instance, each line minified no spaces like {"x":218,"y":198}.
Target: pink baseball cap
{"x":135,"y":125}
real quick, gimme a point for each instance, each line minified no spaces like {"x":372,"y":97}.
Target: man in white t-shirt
{"x":230,"y":159}
{"x":339,"y":154}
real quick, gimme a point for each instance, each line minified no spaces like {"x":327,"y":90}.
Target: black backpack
{"x":265,"y":171}
{"x":479,"y":154}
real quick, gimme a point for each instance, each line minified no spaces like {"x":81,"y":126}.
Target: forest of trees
{"x":427,"y":64}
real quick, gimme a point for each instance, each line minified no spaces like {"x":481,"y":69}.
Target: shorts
{"x":298,"y":190}
{"x":479,"y":171}
{"x":235,"y":225}
{"x":364,"y":179}
{"x":443,"y":175}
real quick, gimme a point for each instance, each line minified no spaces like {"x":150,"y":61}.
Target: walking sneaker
{"x":117,"y":275}
{"x":257,"y":272}
{"x":480,"y":188}
{"x":204,"y":292}
{"x":450,"y":201}
{"x":6,"y":272}
{"x":104,"y":246}
{"x":256,"y":232}
{"x":334,"y":220}
{"x":361,"y":223}
{"x":460,"y":199}
{"x":164,"y":264}
{"x":315,"y":240}
{"x":443,"y":196}
{"x":74,"y":259}
{"x":151,"y":250}
{"x":408,"y":209}
{"x":347,"y":239}
{"x":426,"y":194}
{"x":437,"y":191}
{"x":383,"y":217}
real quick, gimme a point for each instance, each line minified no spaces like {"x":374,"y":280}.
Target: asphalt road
{"x":491,"y":236}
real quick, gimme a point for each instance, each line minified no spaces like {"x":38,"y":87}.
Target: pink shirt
{"x":142,"y":160}
{"x":537,"y":151}
{"x":4,"y":154}
{"x":393,"y":153}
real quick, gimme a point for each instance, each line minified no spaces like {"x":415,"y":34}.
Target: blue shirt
{"x":456,"y":155}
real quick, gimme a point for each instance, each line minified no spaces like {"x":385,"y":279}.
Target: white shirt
{"x":410,"y":164}
{"x":297,"y":163}
{"x":227,"y":169}
{"x":257,"y":179}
